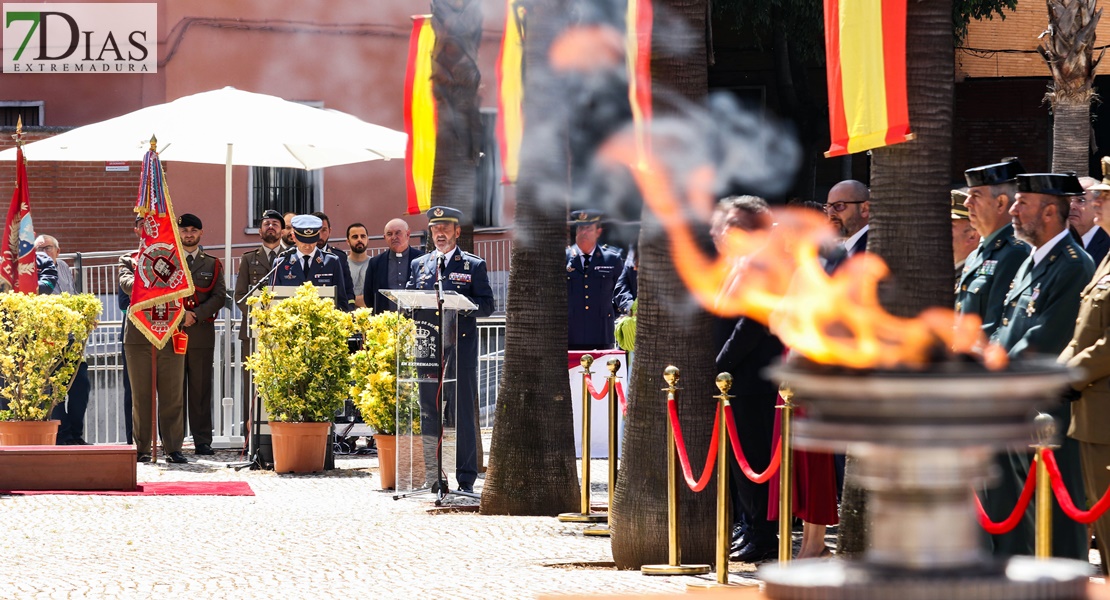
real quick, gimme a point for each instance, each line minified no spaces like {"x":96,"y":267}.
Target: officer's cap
{"x":189,"y":220}
{"x":275,"y":215}
{"x":586,"y":216}
{"x":959,"y":211}
{"x":1002,"y":172}
{"x":444,"y":214}
{"x":1053,"y":184}
{"x":307,"y":228}
{"x":1103,"y":185}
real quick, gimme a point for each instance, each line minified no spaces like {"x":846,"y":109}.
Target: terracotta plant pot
{"x":299,"y":447}
{"x":28,"y":433}
{"x":387,"y":460}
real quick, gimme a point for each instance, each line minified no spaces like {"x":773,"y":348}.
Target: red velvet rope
{"x":1064,"y":498}
{"x":738,"y":452}
{"x":1019,"y":509}
{"x":680,"y":445}
{"x":596,"y":394}
{"x":620,"y":396}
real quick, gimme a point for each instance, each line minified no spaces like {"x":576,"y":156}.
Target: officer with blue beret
{"x":465,"y":274}
{"x":592,"y":272}
{"x":309,"y":263}
{"x":982,"y":285}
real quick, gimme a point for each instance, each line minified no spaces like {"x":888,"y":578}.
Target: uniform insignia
{"x":988,"y":268}
{"x":289,"y":275}
{"x":570,"y":268}
{"x":458,"y":258}
{"x":998,"y":243}
{"x":319,"y":260}
{"x":1103,"y":283}
{"x":1030,"y":309}
{"x":459,"y":277}
{"x":1053,"y":258}
{"x":438,"y":212}
{"x":466,"y":267}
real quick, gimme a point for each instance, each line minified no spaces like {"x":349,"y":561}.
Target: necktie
{"x":307,"y":262}
{"x":189,"y":259}
{"x":585,"y":261}
{"x":270,"y":257}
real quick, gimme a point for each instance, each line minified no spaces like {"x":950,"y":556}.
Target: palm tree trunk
{"x":1071,"y":136}
{"x":532,"y":460}
{"x":910,"y":219}
{"x":455,"y":80}
{"x":1068,"y":49}
{"x":669,"y":331}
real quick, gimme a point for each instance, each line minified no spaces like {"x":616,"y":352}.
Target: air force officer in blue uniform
{"x":308,"y":263}
{"x":592,"y":272}
{"x":464,"y":273}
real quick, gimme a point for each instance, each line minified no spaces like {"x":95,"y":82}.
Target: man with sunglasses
{"x":849,"y":210}
{"x":989,"y":269}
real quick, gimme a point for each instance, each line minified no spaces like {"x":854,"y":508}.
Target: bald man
{"x":390,"y":269}
{"x":848,"y":208}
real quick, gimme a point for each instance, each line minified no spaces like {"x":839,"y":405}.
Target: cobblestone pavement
{"x":334,"y":534}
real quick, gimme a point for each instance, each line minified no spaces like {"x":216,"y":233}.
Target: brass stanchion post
{"x":674,"y":565}
{"x":1045,"y":434}
{"x":786,"y":478}
{"x":724,"y":518}
{"x":585,"y":516}
{"x":614,"y":365}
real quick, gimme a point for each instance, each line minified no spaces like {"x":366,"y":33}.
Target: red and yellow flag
{"x":510,"y":91}
{"x":638,"y":23}
{"x":17,"y":248}
{"x":420,"y":116}
{"x":865,"y":48}
{"x":161,"y":278}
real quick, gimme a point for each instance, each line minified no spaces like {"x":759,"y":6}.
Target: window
{"x":11,"y":111}
{"x":284,"y":190}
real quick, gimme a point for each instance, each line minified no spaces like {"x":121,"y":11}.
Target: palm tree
{"x":909,"y":200}
{"x":668,"y":331}
{"x":1067,"y":46}
{"x":532,"y":460}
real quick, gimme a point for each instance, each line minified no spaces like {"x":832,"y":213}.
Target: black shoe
{"x":753,"y":553}
{"x":142,"y":458}
{"x":204,"y":450}
{"x":177,"y":458}
{"x":466,"y":487}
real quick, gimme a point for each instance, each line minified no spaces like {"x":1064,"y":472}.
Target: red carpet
{"x":164,"y":488}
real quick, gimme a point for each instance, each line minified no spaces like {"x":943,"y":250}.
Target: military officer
{"x":254,"y":265}
{"x":322,"y":244}
{"x":990,"y":268}
{"x":1089,"y":356}
{"x":592,"y":272}
{"x":464,"y":273}
{"x":1082,"y":218}
{"x":964,"y":237}
{"x":210,"y":293}
{"x":309,"y":263}
{"x":1040,"y":308}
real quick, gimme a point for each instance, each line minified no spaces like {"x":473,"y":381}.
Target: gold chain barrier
{"x":614,"y":365}
{"x":674,"y":565}
{"x":585,"y":516}
{"x":786,"y":477}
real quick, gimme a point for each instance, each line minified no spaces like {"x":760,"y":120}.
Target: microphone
{"x":439,"y":268}
{"x":439,"y":280}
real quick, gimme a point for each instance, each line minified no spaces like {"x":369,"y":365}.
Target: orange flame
{"x":775,"y":276}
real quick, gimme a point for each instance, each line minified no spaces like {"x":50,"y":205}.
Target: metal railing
{"x":96,"y":273}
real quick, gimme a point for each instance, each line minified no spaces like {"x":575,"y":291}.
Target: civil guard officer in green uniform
{"x":989,"y":269}
{"x":1038,"y":320}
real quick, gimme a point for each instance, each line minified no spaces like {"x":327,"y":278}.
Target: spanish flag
{"x":638,"y":23}
{"x":420,"y":116}
{"x":510,"y":91}
{"x":865,"y":49}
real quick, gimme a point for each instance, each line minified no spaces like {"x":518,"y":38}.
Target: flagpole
{"x":153,"y":404}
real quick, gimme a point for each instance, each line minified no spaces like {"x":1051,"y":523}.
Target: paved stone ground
{"x":334,"y":534}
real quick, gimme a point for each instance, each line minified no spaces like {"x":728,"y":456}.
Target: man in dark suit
{"x":209,"y":296}
{"x":309,"y":263}
{"x":989,"y":269}
{"x":625,"y":292}
{"x":1081,"y":219}
{"x":746,"y":349}
{"x":1040,"y":311}
{"x":322,"y":244}
{"x":464,"y":273}
{"x":848,"y":207}
{"x":390,"y":269}
{"x":254,"y":265}
{"x":592,"y":271}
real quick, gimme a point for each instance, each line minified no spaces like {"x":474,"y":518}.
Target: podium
{"x":427,"y":364}
{"x":260,"y":450}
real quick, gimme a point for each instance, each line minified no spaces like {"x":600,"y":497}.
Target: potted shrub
{"x":42,"y":342}
{"x":374,"y":387}
{"x":302,"y":373}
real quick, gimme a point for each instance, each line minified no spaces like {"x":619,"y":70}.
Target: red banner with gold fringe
{"x":420,"y":116}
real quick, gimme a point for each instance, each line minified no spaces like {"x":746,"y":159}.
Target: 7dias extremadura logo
{"x":80,"y":38}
